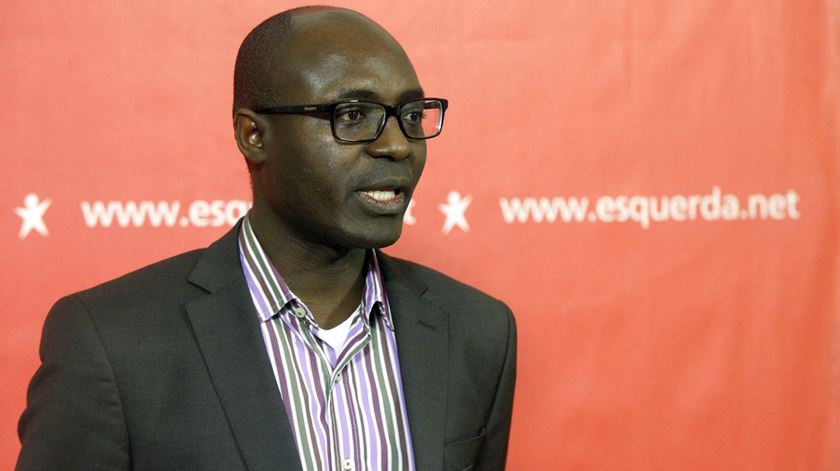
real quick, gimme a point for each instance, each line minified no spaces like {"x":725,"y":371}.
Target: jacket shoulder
{"x":446,"y":291}
{"x":164,"y":280}
{"x":172,"y":269}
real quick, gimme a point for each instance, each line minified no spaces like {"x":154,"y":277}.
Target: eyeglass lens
{"x":361,"y":121}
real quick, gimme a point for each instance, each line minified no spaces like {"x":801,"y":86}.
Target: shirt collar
{"x":272,"y":295}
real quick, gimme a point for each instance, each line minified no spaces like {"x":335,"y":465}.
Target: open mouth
{"x":388,"y":201}
{"x":382,"y":195}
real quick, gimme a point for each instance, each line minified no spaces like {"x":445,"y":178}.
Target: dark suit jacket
{"x":165,"y":368}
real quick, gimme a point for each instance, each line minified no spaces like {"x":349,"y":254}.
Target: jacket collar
{"x":422,"y":342}
{"x":228,"y":334}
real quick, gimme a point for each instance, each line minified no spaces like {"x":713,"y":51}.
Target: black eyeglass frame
{"x":390,"y":110}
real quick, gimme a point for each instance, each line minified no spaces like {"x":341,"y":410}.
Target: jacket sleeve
{"x":74,"y":417}
{"x":493,"y":453}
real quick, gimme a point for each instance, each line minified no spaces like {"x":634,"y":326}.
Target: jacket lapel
{"x":422,"y":345}
{"x":228,"y":333}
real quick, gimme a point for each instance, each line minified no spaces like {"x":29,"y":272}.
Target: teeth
{"x":381,"y":195}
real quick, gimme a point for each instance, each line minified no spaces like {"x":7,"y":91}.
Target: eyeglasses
{"x":363,"y":121}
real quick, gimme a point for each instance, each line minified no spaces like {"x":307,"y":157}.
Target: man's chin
{"x":378,"y":237}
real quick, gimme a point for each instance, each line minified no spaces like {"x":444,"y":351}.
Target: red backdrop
{"x":651,"y":185}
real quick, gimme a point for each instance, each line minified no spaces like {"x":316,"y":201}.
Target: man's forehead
{"x":329,"y":52}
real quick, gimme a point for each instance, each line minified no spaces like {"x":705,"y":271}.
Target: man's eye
{"x":351,"y":116}
{"x":413,"y":116}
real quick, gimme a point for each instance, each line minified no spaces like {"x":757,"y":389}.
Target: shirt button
{"x":299,"y":312}
{"x":338,"y":376}
{"x":346,"y":463}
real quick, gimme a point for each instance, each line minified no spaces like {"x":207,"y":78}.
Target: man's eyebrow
{"x":357,"y":94}
{"x":362,"y":94}
{"x":415,"y":94}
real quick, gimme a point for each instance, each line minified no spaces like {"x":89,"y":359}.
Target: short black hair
{"x":256,"y":61}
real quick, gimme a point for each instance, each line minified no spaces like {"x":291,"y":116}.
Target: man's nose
{"x":391,"y":143}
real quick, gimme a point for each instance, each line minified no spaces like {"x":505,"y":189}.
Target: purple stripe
{"x":368,"y":409}
{"x":341,"y":403}
{"x":377,"y":412}
{"x":352,"y":392}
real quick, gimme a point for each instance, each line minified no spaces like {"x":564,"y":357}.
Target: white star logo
{"x":32,"y":214}
{"x":455,"y":210}
{"x":409,"y":218}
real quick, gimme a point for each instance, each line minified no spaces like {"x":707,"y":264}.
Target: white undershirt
{"x":336,"y":336}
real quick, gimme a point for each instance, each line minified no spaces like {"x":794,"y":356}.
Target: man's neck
{"x":329,"y":281}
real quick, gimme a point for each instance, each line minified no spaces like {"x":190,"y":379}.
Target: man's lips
{"x":382,"y":195}
{"x":385,"y":201}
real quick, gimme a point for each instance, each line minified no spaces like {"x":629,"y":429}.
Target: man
{"x":290,"y":343}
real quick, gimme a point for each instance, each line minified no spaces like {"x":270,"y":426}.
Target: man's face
{"x":343,"y":195}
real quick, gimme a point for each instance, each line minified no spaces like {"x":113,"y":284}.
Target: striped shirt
{"x":346,"y":407}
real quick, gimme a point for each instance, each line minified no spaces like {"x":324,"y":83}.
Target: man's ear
{"x":249,"y":129}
